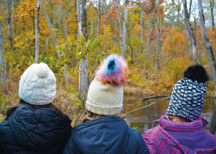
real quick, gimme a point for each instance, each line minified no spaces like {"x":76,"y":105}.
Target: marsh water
{"x":146,"y":118}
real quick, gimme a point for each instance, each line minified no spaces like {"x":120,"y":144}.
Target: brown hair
{"x":22,"y":102}
{"x":91,"y":116}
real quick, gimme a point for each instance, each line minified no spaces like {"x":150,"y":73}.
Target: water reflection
{"x":146,"y":118}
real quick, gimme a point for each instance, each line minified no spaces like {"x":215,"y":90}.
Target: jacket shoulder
{"x":136,"y":138}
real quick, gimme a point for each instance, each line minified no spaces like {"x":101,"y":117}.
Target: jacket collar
{"x":195,"y":125}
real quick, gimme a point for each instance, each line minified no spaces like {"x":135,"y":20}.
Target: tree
{"x":151,"y":20}
{"x":9,"y":22}
{"x":2,"y":63}
{"x":158,"y":36}
{"x":67,"y":78}
{"x":212,"y":12}
{"x":37,"y":32}
{"x":83,"y":64}
{"x":142,"y":21}
{"x":209,"y":49}
{"x":190,"y":31}
{"x":123,"y":28}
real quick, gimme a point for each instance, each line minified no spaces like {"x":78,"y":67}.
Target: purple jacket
{"x":180,"y":138}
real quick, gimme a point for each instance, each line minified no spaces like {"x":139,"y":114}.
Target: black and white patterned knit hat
{"x":188,"y":94}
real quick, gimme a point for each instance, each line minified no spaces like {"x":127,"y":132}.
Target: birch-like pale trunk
{"x":210,"y":52}
{"x":37,"y":32}
{"x":149,"y":34}
{"x":158,"y":49}
{"x":124,"y":32}
{"x":2,"y":63}
{"x":173,"y":14}
{"x":83,"y":64}
{"x":66,"y":74}
{"x":9,"y":24}
{"x":191,"y":33}
{"x":123,"y":27}
{"x":142,"y":22}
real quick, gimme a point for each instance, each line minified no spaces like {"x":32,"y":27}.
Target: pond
{"x":146,"y":118}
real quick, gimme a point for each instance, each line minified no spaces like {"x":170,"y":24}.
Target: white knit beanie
{"x":105,"y":94}
{"x":37,"y":85}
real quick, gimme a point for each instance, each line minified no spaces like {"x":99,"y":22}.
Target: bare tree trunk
{"x":149,"y":34}
{"x":123,"y":28}
{"x":187,"y":37}
{"x":158,"y":50}
{"x":2,"y":63}
{"x":190,"y":7}
{"x":190,"y":31}
{"x":212,"y":13}
{"x":37,"y":32}
{"x":123,"y":44}
{"x":99,"y":16}
{"x":83,"y":66}
{"x":66,"y":75}
{"x":142,"y":21}
{"x":209,"y":49}
{"x":178,"y":12}
{"x":173,"y":14}
{"x":9,"y":16}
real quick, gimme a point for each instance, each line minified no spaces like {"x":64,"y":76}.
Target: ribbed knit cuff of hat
{"x":103,"y":110}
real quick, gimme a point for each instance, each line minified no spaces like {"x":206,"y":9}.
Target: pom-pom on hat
{"x":105,"y":94}
{"x":37,"y":85}
{"x":188,"y":94}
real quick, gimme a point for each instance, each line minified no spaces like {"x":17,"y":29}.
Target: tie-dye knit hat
{"x":188,"y":94}
{"x":105,"y":94}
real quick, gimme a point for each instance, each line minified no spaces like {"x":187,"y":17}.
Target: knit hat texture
{"x":188,"y":94}
{"x":105,"y":94}
{"x":37,"y":85}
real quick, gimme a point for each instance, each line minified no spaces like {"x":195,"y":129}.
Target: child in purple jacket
{"x":181,"y":129}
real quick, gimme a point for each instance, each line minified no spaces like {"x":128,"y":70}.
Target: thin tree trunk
{"x":190,"y":8}
{"x":191,"y":33}
{"x":99,"y":16}
{"x":158,"y":49}
{"x":173,"y":14}
{"x":123,"y":28}
{"x":9,"y":16}
{"x":123,"y":44}
{"x":50,"y":27}
{"x":209,"y":49}
{"x":37,"y":32}
{"x":67,"y":77}
{"x":2,"y":63}
{"x":142,"y":21}
{"x":179,"y":12}
{"x":83,"y":66}
{"x":212,"y":13}
{"x":149,"y":34}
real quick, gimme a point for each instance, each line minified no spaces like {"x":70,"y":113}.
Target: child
{"x":181,"y":129}
{"x":35,"y":126}
{"x":102,"y":130}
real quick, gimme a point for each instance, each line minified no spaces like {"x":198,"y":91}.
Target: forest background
{"x":158,"y":38}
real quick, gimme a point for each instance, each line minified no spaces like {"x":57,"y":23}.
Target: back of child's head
{"x":105,"y":94}
{"x":188,"y":94}
{"x":37,"y":85}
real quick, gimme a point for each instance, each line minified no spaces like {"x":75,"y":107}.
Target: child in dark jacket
{"x":35,"y":126}
{"x":181,"y":129}
{"x":102,"y":130}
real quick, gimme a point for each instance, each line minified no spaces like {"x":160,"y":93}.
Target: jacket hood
{"x":103,"y":135}
{"x":38,"y":128}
